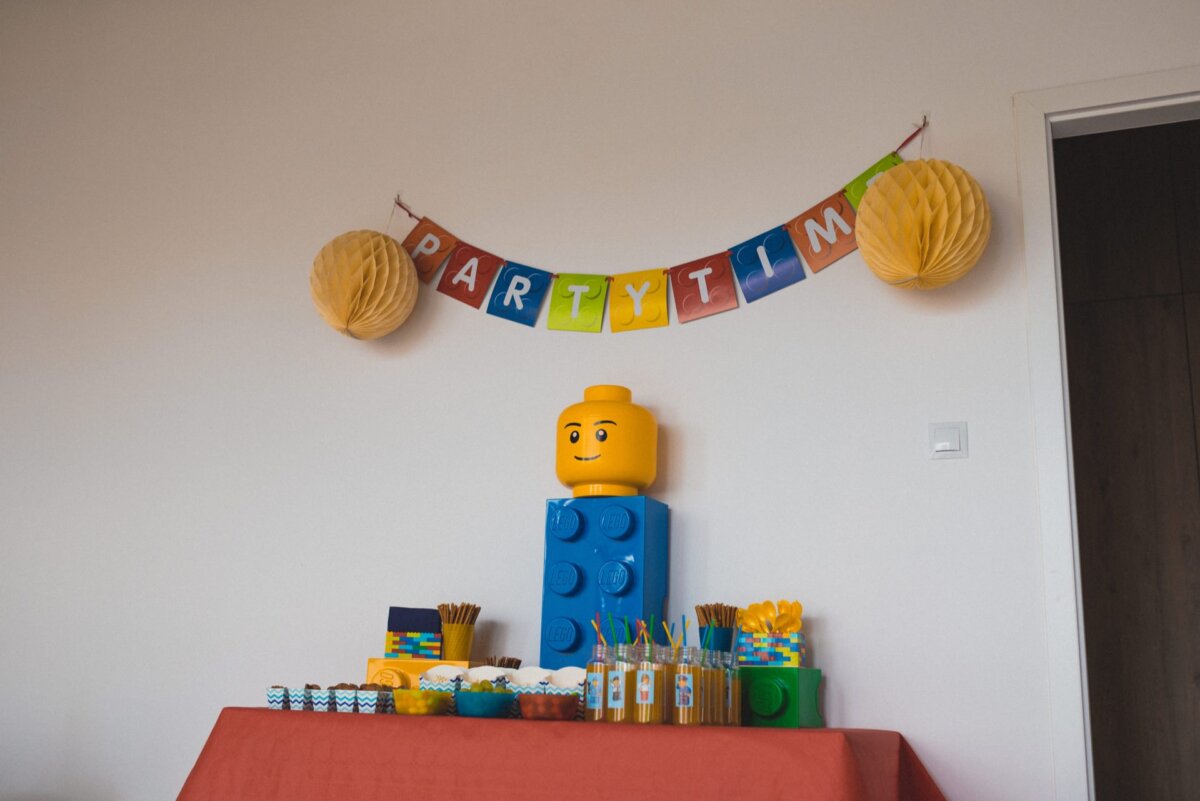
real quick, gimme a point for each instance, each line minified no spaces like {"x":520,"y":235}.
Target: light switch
{"x":948,"y":440}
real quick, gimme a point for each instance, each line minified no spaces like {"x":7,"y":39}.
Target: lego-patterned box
{"x":755,"y":649}
{"x":413,"y":645}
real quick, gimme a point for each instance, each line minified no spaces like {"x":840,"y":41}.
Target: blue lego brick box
{"x":606,"y":555}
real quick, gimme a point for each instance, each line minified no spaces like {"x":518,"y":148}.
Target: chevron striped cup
{"x":322,"y":700}
{"x":297,"y":696}
{"x":276,"y":697}
{"x":368,"y":701}
{"x":344,"y":699}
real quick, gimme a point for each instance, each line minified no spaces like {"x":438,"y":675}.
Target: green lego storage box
{"x":782,"y":697}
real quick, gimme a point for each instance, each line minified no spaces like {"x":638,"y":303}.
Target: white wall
{"x":205,"y":490}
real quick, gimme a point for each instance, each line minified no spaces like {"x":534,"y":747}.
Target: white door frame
{"x":1041,"y":117}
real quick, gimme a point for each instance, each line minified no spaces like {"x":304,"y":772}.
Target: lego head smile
{"x":607,"y":424}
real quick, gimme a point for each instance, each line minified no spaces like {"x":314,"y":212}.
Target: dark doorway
{"x":1129,"y":236}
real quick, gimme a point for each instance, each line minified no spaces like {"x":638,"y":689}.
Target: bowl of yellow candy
{"x":421,"y":702}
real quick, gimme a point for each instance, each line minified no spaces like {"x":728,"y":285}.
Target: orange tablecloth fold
{"x":263,"y":754}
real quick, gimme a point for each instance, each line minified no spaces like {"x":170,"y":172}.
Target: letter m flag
{"x":824,"y":233}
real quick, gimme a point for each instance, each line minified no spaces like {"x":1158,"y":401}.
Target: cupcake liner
{"x":276,"y":697}
{"x":321,"y":700}
{"x":368,"y":701}
{"x":297,"y":698}
{"x":345,"y":700}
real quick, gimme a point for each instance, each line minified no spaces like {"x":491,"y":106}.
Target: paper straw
{"x":650,"y":632}
{"x":627,"y":635}
{"x":612,"y":629}
{"x":670,"y":638}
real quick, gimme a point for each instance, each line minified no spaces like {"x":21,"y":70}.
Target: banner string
{"x":920,"y":128}
{"x":666,"y":271}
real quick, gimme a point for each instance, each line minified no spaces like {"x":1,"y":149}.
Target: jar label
{"x":645,"y":686}
{"x":595,"y":690}
{"x":684,"y":694}
{"x":616,"y":689}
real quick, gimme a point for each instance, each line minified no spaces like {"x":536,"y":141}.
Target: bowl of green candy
{"x":484,"y":700}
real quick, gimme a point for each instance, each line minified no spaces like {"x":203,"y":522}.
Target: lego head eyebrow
{"x":568,"y":425}
{"x":610,"y":422}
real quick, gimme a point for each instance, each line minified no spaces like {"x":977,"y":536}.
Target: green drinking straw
{"x":627,"y":630}
{"x":650,"y":633}
{"x":612,"y":629}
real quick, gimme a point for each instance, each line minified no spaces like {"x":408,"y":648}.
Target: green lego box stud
{"x":781,"y":697}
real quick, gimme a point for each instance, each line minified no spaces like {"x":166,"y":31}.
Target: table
{"x":265,"y":754}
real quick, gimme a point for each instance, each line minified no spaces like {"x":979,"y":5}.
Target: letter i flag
{"x":518,"y":293}
{"x":428,"y":243}
{"x":703,"y":287}
{"x":577,"y":302}
{"x":824,"y":233}
{"x":766,"y":264}
{"x":638,"y":300}
{"x":469,"y":274}
{"x":858,"y":187}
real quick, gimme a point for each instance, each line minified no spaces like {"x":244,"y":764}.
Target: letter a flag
{"x":518,"y":293}
{"x":428,"y":244}
{"x":766,"y":264}
{"x":858,"y":187}
{"x":824,"y":233}
{"x":577,"y":302}
{"x":469,"y":274}
{"x":703,"y":287}
{"x":638,"y":300}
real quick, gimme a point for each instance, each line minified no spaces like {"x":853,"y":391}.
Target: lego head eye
{"x":574,"y":436}
{"x":601,"y":435}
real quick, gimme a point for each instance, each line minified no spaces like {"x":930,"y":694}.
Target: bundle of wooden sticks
{"x":718,"y":615}
{"x":503,"y":661}
{"x":458,"y":613}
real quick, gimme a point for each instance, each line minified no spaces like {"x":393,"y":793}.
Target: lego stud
{"x":616,"y":522}
{"x":607,"y":445}
{"x":565,"y":523}
{"x":563,"y":578}
{"x":614,"y":578}
{"x":768,"y":698}
{"x":562,"y":634}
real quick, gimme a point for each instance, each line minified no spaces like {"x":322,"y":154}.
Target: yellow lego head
{"x":607,"y":445}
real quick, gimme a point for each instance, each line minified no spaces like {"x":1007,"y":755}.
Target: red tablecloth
{"x":260,"y":754}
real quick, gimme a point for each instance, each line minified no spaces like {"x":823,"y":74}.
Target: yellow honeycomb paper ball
{"x":923,"y":224}
{"x":364,"y":284}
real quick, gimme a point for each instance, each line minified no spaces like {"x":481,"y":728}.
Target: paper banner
{"x":638,"y":300}
{"x":518,"y":293}
{"x":765,"y":264}
{"x":824,"y":233}
{"x":703,"y":287}
{"x":469,"y":274}
{"x":577,"y":302}
{"x":428,"y":244}
{"x":856,"y":188}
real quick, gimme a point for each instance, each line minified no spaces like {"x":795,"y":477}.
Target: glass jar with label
{"x":617,"y":704}
{"x":648,"y":691}
{"x":596,"y":684}
{"x":687,"y":688}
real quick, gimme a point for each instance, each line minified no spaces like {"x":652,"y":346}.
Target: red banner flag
{"x":428,"y":244}
{"x":703,"y":287}
{"x":824,"y":233}
{"x":469,"y":274}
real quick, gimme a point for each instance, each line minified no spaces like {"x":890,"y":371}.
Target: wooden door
{"x":1129,"y":236}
